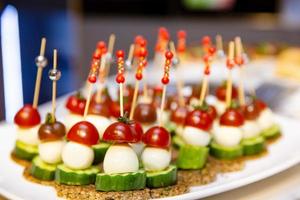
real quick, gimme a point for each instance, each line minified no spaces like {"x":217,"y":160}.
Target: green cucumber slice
{"x":254,"y":145}
{"x":192,"y":157}
{"x":177,"y":141}
{"x":65,"y":175}
{"x":272,"y":132}
{"x":163,"y":178}
{"x":25,"y":151}
{"x":121,"y":182}
{"x":99,"y":152}
{"x":41,"y":170}
{"x":226,"y":153}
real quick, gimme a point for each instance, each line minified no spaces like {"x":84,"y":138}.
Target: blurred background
{"x":75,"y":26}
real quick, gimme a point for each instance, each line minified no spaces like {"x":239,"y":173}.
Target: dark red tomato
{"x":76,"y":104}
{"x":145,"y":113}
{"x":157,"y":137}
{"x":156,"y":95}
{"x":137,"y":131}
{"x":51,"y":131}
{"x":83,"y":132}
{"x":119,"y":132}
{"x":212,"y":112}
{"x":27,"y":116}
{"x":251,"y":111}
{"x":221,"y":92}
{"x":99,"y":109}
{"x":232,"y":117}
{"x":114,"y":108}
{"x":199,"y":119}
{"x":179,"y":115}
{"x":259,"y":104}
{"x":105,"y":97}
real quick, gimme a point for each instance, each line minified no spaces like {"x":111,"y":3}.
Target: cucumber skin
{"x":225,"y":152}
{"x":192,"y":157}
{"x":177,"y":141}
{"x":40,"y":173}
{"x":99,"y":152}
{"x":73,"y":178}
{"x":257,"y":146}
{"x":272,"y":132}
{"x":162,"y":179}
{"x":22,"y":153}
{"x":121,"y":182}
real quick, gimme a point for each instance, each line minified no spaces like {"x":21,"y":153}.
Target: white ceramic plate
{"x":283,"y":154}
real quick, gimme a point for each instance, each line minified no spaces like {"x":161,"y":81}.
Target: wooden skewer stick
{"x":219,"y":42}
{"x":111,"y":44}
{"x":238,"y":50}
{"x":88,"y":100}
{"x":39,"y":76}
{"x":162,"y":105}
{"x":101,"y":71}
{"x":229,"y":79}
{"x":131,"y":51}
{"x":54,"y":85}
{"x":203,"y":89}
{"x":179,"y":82}
{"x":121,"y":100}
{"x":134,"y":99}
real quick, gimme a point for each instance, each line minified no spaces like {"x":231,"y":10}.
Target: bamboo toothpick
{"x":111,"y":44}
{"x":88,"y":100}
{"x":121,"y":100}
{"x":54,"y":84}
{"x":131,"y":51}
{"x":219,"y":42}
{"x":39,"y":76}
{"x":238,"y":50}
{"x":101,"y":79}
{"x":134,"y":99}
{"x":229,"y":79}
{"x":203,"y":89}
{"x":179,"y":82}
{"x":162,"y":105}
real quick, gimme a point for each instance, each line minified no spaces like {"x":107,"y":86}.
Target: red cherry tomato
{"x":136,"y":130}
{"x":232,"y":117}
{"x":221,"y":92}
{"x":114,"y":108}
{"x":261,"y":105}
{"x":27,"y":116}
{"x":84,"y":133}
{"x":199,"y":119}
{"x":99,"y":109}
{"x":179,"y":115}
{"x":251,"y":111}
{"x":157,"y":137}
{"x":145,"y":113}
{"x":119,"y":132}
{"x":212,"y":112}
{"x":76,"y":105}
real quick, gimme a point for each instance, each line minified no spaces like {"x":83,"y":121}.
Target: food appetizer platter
{"x":140,"y":141}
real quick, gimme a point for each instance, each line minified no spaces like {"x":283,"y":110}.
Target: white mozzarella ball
{"x":195,"y":136}
{"x":50,"y":152}
{"x":220,"y":107}
{"x":250,"y":129}
{"x":28,"y":135}
{"x":266,"y":119}
{"x":156,"y":159}
{"x":100,"y":122}
{"x":228,"y":135}
{"x":72,"y":119}
{"x":120,"y":159}
{"x":215,"y":125}
{"x":77,"y":156}
{"x":138,"y":148}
